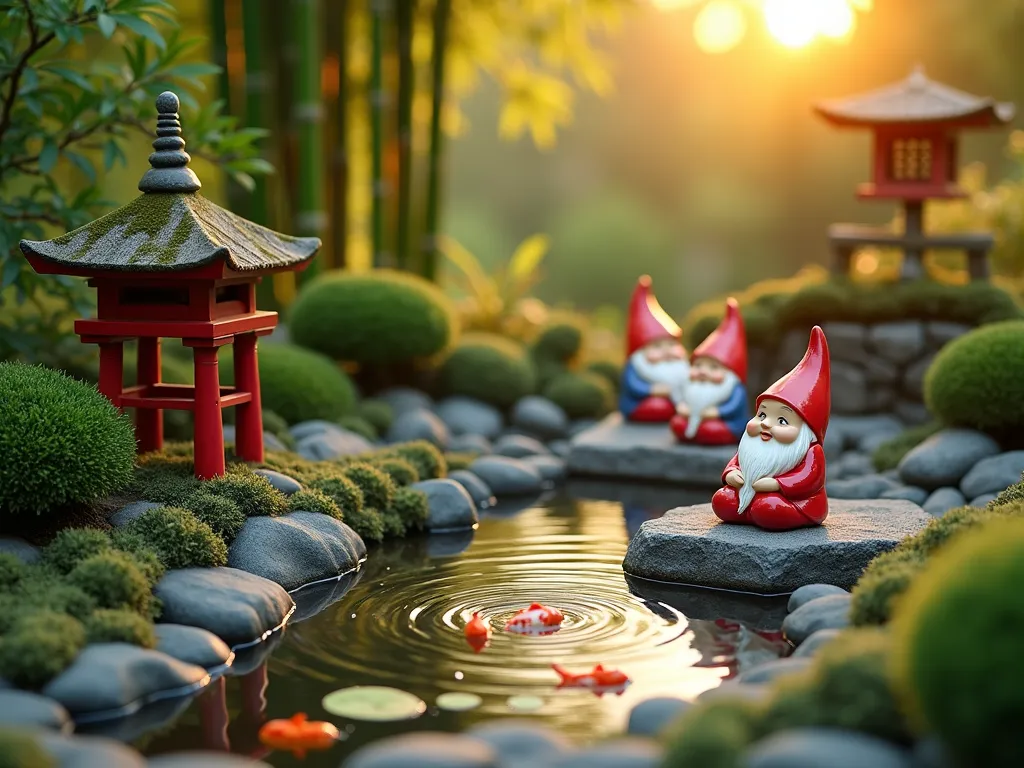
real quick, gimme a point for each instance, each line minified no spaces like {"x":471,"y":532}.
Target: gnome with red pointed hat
{"x":712,"y":409}
{"x":776,"y":480}
{"x":656,"y":361}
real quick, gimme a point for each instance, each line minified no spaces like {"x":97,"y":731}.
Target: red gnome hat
{"x":647,"y":321}
{"x":807,"y":389}
{"x":728,"y":342}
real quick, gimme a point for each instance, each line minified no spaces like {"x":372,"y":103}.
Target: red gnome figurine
{"x":712,"y":408}
{"x":776,"y":480}
{"x":656,"y":362}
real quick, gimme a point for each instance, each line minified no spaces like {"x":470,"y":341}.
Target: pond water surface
{"x":400,"y":625}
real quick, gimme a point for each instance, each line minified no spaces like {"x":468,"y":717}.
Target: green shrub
{"x":253,"y":493}
{"x":412,"y":507}
{"x":313,"y":500}
{"x":937,"y":532}
{"x":299,"y":384}
{"x":39,"y":647}
{"x":21,"y":750}
{"x":715,"y":734}
{"x":62,"y":442}
{"x":886,"y":578}
{"x":179,"y":539}
{"x":12,"y":571}
{"x":360,"y":426}
{"x":378,"y":317}
{"x":581,"y":395}
{"x":345,"y":494}
{"x":399,"y":470}
{"x":277,"y":426}
{"x":377,"y":487}
{"x":165,"y":479}
{"x":1014,"y":493}
{"x":609,"y":371}
{"x":41,"y":590}
{"x":559,"y":342}
{"x":487,"y":367}
{"x":378,"y":413}
{"x":113,"y":580}
{"x":73,"y":545}
{"x":957,"y":661}
{"x":119,"y":626}
{"x":219,"y":512}
{"x":426,"y":458}
{"x":975,"y":376}
{"x":145,"y":558}
{"x":460,"y":460}
{"x":367,"y":522}
{"x":889,"y":454}
{"x":394,"y":525}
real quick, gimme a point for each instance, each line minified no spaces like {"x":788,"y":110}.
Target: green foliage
{"x":377,"y":412}
{"x":1014,"y":493}
{"x":253,"y":493}
{"x":609,"y":371}
{"x":119,"y":626}
{"x":426,"y":458}
{"x":367,"y":522}
{"x":387,"y":317}
{"x":145,"y":558}
{"x":39,"y":647}
{"x":299,"y":384}
{"x":394,"y":525}
{"x":21,"y":750}
{"x":113,"y":580}
{"x":400,"y":471}
{"x":360,"y":426}
{"x":312,"y":500}
{"x":12,"y":570}
{"x":223,"y":515}
{"x":62,"y":442}
{"x":345,"y":494}
{"x":73,"y":545}
{"x":40,"y":590}
{"x":968,"y":598}
{"x":975,"y":376}
{"x":179,"y":539}
{"x":883,"y":581}
{"x":712,"y":735}
{"x":889,"y":454}
{"x":412,"y":508}
{"x":581,"y":395}
{"x":377,"y":487}
{"x":274,"y":422}
{"x":487,"y":367}
{"x":163,"y":479}
{"x":560,"y":342}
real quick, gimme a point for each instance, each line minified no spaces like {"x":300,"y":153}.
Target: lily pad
{"x":525,"y":703}
{"x":455,"y":701}
{"x":374,"y":703}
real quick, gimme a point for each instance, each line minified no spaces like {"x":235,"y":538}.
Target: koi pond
{"x":399,"y":623}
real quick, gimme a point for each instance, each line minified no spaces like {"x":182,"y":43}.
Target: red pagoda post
{"x":171,"y":264}
{"x":916,"y":125}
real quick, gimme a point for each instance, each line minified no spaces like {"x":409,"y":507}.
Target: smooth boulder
{"x":863,"y":487}
{"x":451,"y":505}
{"x":418,"y":424}
{"x":993,"y":475}
{"x":481,"y":492}
{"x":426,"y":749}
{"x":810,"y":592}
{"x":283,"y":483}
{"x":551,"y":468}
{"x":629,"y":752}
{"x":477,"y":444}
{"x":129,"y":513}
{"x":651,"y":717}
{"x":506,"y":476}
{"x":519,"y":447}
{"x":204,"y":760}
{"x":945,"y":457}
{"x":825,"y":748}
{"x":941,"y":500}
{"x":330,"y":443}
{"x":520,"y":744}
{"x":770,"y":671}
{"x":23,"y":709}
{"x":817,"y":640}
{"x":540,"y":416}
{"x":192,"y":645}
{"x":829,"y":612}
{"x":89,"y":751}
{"x":21,"y":549}
{"x":468,"y":416}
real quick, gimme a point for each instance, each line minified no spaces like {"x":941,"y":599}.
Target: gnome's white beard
{"x":669,"y":372}
{"x":759,"y":458}
{"x":703,"y":394}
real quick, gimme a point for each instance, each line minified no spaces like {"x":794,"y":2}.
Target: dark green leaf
{"x":107,"y":24}
{"x":194,"y":69}
{"x":12,"y":266}
{"x":246,"y":181}
{"x":83,"y":164}
{"x":48,"y":156}
{"x":140,"y":27}
{"x":71,"y":76}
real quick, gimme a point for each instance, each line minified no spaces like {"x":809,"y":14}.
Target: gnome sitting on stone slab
{"x":776,"y":480}
{"x":656,"y":362}
{"x":711,"y":409}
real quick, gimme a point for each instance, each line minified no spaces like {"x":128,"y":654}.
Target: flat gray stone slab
{"x":689,"y":545}
{"x":618,"y":448}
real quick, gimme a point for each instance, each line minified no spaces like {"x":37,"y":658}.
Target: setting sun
{"x":719,"y":27}
{"x":795,"y":23}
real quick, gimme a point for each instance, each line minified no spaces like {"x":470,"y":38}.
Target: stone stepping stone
{"x":689,"y":545}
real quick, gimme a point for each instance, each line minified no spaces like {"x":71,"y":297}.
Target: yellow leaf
{"x":528,"y":257}
{"x":480,"y":284}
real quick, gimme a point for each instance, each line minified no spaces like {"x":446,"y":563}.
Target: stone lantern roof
{"x":171,"y":227}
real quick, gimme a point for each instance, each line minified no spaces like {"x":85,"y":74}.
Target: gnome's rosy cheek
{"x":785,"y":434}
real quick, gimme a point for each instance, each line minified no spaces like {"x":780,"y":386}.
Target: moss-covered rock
{"x":412,"y":507}
{"x":560,"y":342}
{"x":179,"y":538}
{"x":221,"y":513}
{"x":425,"y":457}
{"x":957,"y":661}
{"x":381,"y":316}
{"x":62,"y":443}
{"x":141,"y":554}
{"x":39,"y":647}
{"x":489,"y":368}
{"x":367,"y":522}
{"x":975,"y":376}
{"x":343,"y":492}
{"x":889,"y":454}
{"x":609,"y":371}
{"x":581,"y":395}
{"x":114,"y":580}
{"x":377,"y":487}
{"x":712,"y":735}
{"x":73,"y":545}
{"x":19,"y":749}
{"x":119,"y":626}
{"x":1014,"y":493}
{"x":42,"y":590}
{"x":400,"y":471}
{"x":377,"y":412}
{"x":253,"y":493}
{"x":313,"y":500}
{"x":885,"y":579}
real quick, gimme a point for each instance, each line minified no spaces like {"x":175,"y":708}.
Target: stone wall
{"x":875,"y":368}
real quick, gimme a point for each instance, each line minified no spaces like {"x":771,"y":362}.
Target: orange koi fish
{"x":477,"y":633}
{"x":536,"y":617}
{"x":599,"y":680}
{"x":297,"y":734}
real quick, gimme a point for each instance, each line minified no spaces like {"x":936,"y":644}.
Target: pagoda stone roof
{"x":172,"y":227}
{"x":916,"y":99}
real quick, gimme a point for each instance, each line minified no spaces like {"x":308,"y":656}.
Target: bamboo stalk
{"x":442,"y":14}
{"x":219,"y":49}
{"x":337,"y":32}
{"x":257,"y":86}
{"x":378,"y":13}
{"x":406,"y":89}
{"x":308,"y":116}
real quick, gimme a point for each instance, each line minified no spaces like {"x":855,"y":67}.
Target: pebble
{"x":983,"y":500}
{"x":131,"y":512}
{"x":929,"y":752}
{"x":899,"y":342}
{"x":418,"y":424}
{"x":468,"y":416}
{"x":561,"y":448}
{"x":945,"y":457}
{"x":805,"y":594}
{"x":330,"y":444}
{"x":470,"y":444}
{"x":855,"y":464}
{"x":271,"y":442}
{"x":283,"y":483}
{"x":521,"y":744}
{"x":478,"y":489}
{"x":519,"y":447}
{"x":617,"y":753}
{"x":651,"y":717}
{"x":551,"y":468}
{"x":864,"y":487}
{"x":507,"y":476}
{"x":829,"y":612}
{"x":940,"y":501}
{"x":402,"y":399}
{"x":425,"y":749}
{"x":90,"y":752}
{"x":451,"y":505}
{"x":994,"y":474}
{"x":825,"y":748}
{"x":20,"y":548}
{"x":540,"y":416}
{"x":192,"y":645}
{"x":909,"y":492}
{"x":204,"y":760}
{"x":756,"y":693}
{"x":815,"y":643}
{"x":581,"y":425}
{"x":771,"y":671}
{"x":23,"y":709}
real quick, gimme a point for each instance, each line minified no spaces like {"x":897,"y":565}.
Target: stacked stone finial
{"x":169,"y":171}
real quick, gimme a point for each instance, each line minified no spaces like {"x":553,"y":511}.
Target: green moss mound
{"x":253,"y":493}
{"x":134,"y":545}
{"x":299,"y":384}
{"x":975,"y":376}
{"x":957,"y":660}
{"x":119,"y":626}
{"x":1014,"y":493}
{"x":426,"y":458}
{"x":360,"y":426}
{"x":180,"y":539}
{"x":12,"y":571}
{"x":342,"y":491}
{"x":73,"y":545}
{"x":222,"y":514}
{"x":377,"y":412}
{"x":278,"y":427}
{"x":164,"y":479}
{"x":21,"y":750}
{"x":62,"y":442}
{"x":609,"y":371}
{"x":114,"y":580}
{"x":560,"y":342}
{"x":889,"y":454}
{"x":412,"y":508}
{"x":377,"y":317}
{"x":377,"y":487}
{"x":487,"y":367}
{"x":394,"y":525}
{"x":581,"y":395}
{"x":885,"y":579}
{"x":400,"y":471}
{"x":312,"y":500}
{"x":39,"y":647}
{"x":712,"y":735}
{"x":367,"y":522}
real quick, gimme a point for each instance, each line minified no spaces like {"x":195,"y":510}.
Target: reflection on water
{"x":401,"y":626}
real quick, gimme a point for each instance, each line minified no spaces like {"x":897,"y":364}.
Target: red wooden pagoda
{"x":171,"y":264}
{"x":916,"y":124}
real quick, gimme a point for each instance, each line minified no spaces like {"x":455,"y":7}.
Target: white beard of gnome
{"x":759,"y":458}
{"x":663,"y":372}
{"x":702,"y":394}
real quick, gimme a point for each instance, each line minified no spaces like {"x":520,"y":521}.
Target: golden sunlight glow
{"x":672,"y":5}
{"x":719,"y":27}
{"x":795,"y":23}
{"x":835,"y":18}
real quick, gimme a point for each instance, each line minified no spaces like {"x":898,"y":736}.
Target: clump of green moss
{"x":889,"y":454}
{"x":712,"y":735}
{"x":426,"y":458}
{"x":221,"y":513}
{"x":581,"y":395}
{"x":367,"y":522}
{"x":134,"y":545}
{"x":609,"y":371}
{"x":399,"y":470}
{"x":1012,"y":494}
{"x":12,"y":571}
{"x":41,"y":589}
{"x":73,"y":545}
{"x":39,"y":647}
{"x":179,"y":538}
{"x":342,"y":491}
{"x":21,"y":750}
{"x":114,"y":580}
{"x":119,"y":626}
{"x":252,"y":493}
{"x":377,"y":412}
{"x":886,"y":578}
{"x":487,"y":367}
{"x":313,"y":500}
{"x":412,"y":508}
{"x":377,"y":487}
{"x":359,"y":426}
